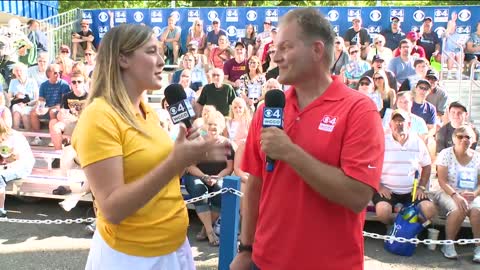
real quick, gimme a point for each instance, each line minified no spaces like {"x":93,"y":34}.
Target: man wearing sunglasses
{"x":378,"y":63}
{"x":357,"y":35}
{"x":394,"y":34}
{"x":429,"y":39}
{"x":82,"y":40}
{"x":421,"y":106}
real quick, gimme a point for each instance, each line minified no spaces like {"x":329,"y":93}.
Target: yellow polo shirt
{"x":159,"y":227}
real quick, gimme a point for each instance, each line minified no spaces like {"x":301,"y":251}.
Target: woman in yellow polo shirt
{"x":131,"y":163}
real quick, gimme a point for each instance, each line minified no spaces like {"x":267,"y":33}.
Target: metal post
{"x":172,"y":4}
{"x":229,"y":224}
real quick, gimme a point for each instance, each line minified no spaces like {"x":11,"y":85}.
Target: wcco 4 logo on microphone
{"x":181,"y":111}
{"x":272,"y":117}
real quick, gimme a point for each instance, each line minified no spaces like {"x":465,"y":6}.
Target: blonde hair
{"x":246,"y":118}
{"x":5,"y":130}
{"x":21,"y":66}
{"x":107,"y":76}
{"x":219,"y":120}
{"x":275,"y":84}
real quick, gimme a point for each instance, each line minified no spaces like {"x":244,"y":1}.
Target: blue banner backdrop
{"x":234,"y":20}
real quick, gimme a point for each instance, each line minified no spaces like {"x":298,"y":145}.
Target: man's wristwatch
{"x":242,"y":247}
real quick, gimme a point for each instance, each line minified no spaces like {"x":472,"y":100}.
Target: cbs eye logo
{"x":333,"y":15}
{"x":375,"y":15}
{"x":418,"y":15}
{"x":464,"y":15}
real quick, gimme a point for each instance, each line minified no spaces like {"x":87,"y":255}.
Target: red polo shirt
{"x":297,"y":228}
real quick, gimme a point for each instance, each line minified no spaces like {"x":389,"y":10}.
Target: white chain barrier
{"x":240,"y":194}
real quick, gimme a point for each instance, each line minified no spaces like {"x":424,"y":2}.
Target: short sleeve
{"x":442,"y":157}
{"x":424,"y":157}
{"x":41,"y":91}
{"x":252,"y":161}
{"x":203,"y":96}
{"x":106,"y":142}
{"x":231,"y":94}
{"x":363,"y":144}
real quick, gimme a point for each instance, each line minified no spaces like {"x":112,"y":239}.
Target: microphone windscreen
{"x":275,"y":98}
{"x":174,"y":93}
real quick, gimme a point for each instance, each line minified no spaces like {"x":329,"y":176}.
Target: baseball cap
{"x":267,"y":22}
{"x":238,"y":43}
{"x":457,"y":104}
{"x":193,"y":43}
{"x":216,"y":20}
{"x":431,"y":73}
{"x":412,"y":35}
{"x":427,"y":19}
{"x":378,"y":57}
{"x":394,"y":18}
{"x":402,"y":113}
{"x":366,"y":78}
{"x":64,"y":48}
{"x":358,"y":18}
{"x":424,"y":82}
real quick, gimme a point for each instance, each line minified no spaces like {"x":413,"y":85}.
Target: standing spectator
{"x":378,"y":63}
{"x":263,"y":38}
{"x":429,"y":39}
{"x":380,"y":49}
{"x":170,"y":39}
{"x":340,"y":56}
{"x":394,"y":34}
{"x":270,"y":46}
{"x":217,"y":94}
{"x":354,"y":69}
{"x":437,"y":96}
{"x":402,"y":66}
{"x":38,"y":71}
{"x":221,"y":53}
{"x":458,"y":115}
{"x":38,"y":39}
{"x":197,"y":34}
{"x":235,"y":67}
{"x":357,"y":35}
{"x":214,"y":35}
{"x":249,"y":40}
{"x":6,"y":64}
{"x":82,"y":40}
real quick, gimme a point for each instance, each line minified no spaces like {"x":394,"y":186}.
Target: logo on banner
{"x":212,"y":15}
{"x":157,"y":30}
{"x":232,"y":15}
{"x":193,"y":14}
{"x":353,"y":13}
{"x":209,"y":28}
{"x":102,"y":30}
{"x":138,"y":16}
{"x":440,"y":31}
{"x":251,"y":15}
{"x":397,"y":12}
{"x":464,"y":29}
{"x":375,"y":15}
{"x":175,"y":15}
{"x":103,"y":16}
{"x":156,"y":16}
{"x":415,"y":28}
{"x":464,"y":15}
{"x":336,"y":28}
{"x":271,"y":15}
{"x":120,"y":16}
{"x":231,"y":31}
{"x":374,"y":29}
{"x":87,"y":15}
{"x":419,"y":15}
{"x":441,"y":15}
{"x":333,"y":15}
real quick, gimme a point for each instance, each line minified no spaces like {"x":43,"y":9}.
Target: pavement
{"x":65,"y":247}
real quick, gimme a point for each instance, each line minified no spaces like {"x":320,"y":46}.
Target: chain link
{"x":418,"y":241}
{"x":48,"y":221}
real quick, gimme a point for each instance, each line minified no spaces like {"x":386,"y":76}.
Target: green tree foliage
{"x":66,"y":5}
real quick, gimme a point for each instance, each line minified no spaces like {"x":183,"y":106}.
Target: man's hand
{"x":275,"y":143}
{"x":421,"y":194}
{"x":385,"y":192}
{"x":243,"y":261}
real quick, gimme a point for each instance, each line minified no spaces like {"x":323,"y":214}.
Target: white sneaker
{"x":36,"y":141}
{"x":50,"y":144}
{"x":216,"y":227}
{"x":449,"y":251}
{"x":476,"y":254}
{"x":91,"y":227}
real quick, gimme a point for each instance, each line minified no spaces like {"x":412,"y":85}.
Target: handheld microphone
{"x":179,"y":108}
{"x":273,"y":116}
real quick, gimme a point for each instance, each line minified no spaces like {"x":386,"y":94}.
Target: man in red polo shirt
{"x":308,"y":213}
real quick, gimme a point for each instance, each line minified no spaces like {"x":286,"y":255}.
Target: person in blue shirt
{"x":421,"y":107}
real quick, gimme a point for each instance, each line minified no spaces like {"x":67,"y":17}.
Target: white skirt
{"x":102,"y":257}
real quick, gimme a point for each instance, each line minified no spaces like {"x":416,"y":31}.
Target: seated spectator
{"x":379,"y":49}
{"x":341,"y":57}
{"x":394,"y":34}
{"x":50,"y":97}
{"x":366,"y":87}
{"x":206,"y":177}
{"x":437,"y":96}
{"x":22,"y":96}
{"x":270,"y":46}
{"x":201,"y":60}
{"x":38,"y":72}
{"x":269,"y":85}
{"x":187,"y":63}
{"x":421,"y":67}
{"x":249,"y":40}
{"x":220,"y":54}
{"x":458,"y":197}
{"x":5,"y":112}
{"x":381,"y":86}
{"x":472,"y":50}
{"x":452,"y":52}
{"x":405,"y":103}
{"x":213,"y":37}
{"x":354,"y":69}
{"x":358,"y":35}
{"x":234,"y":68}
{"x":251,"y":83}
{"x":203,"y":119}
{"x":72,"y":105}
{"x":83,"y":40}
{"x":185,"y":83}
{"x":6,"y":64}
{"x":217,"y":94}
{"x":238,"y":121}
{"x":417,"y":50}
{"x":429,"y":39}
{"x":458,"y":115}
{"x":422,"y":107}
{"x":263,"y":38}
{"x":197,"y":34}
{"x":396,"y":181}
{"x":66,"y":65}
{"x":269,"y":64}
{"x":170,"y":39}
{"x":89,"y":62}
{"x":402,"y":66}
{"x":17,"y":159}
{"x":378,"y":63}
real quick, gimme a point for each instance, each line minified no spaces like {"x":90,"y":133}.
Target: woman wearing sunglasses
{"x":457,"y":169}
{"x":378,"y":47}
{"x":197,"y":34}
